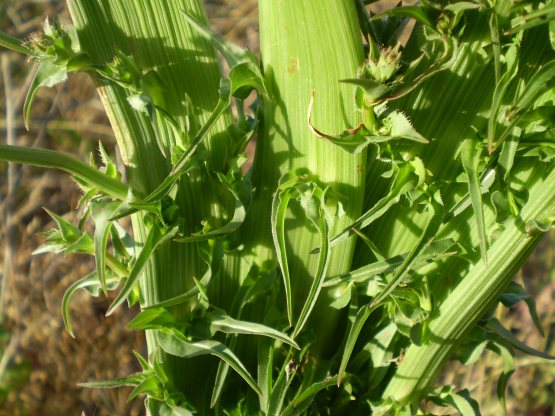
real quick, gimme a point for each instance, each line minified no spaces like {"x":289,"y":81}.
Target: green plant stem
{"x":157,"y":37}
{"x":66,"y":162}
{"x":14,"y":44}
{"x":478,"y":290}
{"x":308,"y":46}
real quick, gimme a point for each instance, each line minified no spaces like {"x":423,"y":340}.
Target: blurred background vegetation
{"x":40,"y":364}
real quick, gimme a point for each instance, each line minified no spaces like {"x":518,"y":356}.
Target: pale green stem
{"x":66,"y":162}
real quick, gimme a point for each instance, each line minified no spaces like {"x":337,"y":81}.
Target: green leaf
{"x":167,"y":410}
{"x":541,"y":82}
{"x":514,"y":294}
{"x":108,"y":166}
{"x":435,"y":251}
{"x":406,"y":179}
{"x":48,"y":74}
{"x":183,"y":165}
{"x":220,"y":321}
{"x":69,"y":232}
{"x":462,"y":401}
{"x":176,"y":344}
{"x":92,"y":285}
{"x":101,"y":212}
{"x":265,"y":361}
{"x":501,"y":88}
{"x":401,"y":128}
{"x":212,"y":254}
{"x":7,"y":41}
{"x":158,"y":318}
{"x":509,"y":368}
{"x":150,"y":385}
{"x":318,"y":281}
{"x":156,"y":236}
{"x":63,"y":161}
{"x":495,"y":326}
{"x":354,"y":332}
{"x":423,"y":15}
{"x":239,"y":214}
{"x":471,"y":150}
{"x":432,"y":225}
{"x":279,"y":210}
{"x":279,"y":389}
{"x":532,"y":19}
{"x":303,"y":400}
{"x":129,"y":381}
{"x":379,"y":350}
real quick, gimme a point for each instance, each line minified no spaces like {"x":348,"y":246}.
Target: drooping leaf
{"x":92,"y":285}
{"x":279,"y":210}
{"x":514,"y":294}
{"x":239,"y":214}
{"x":509,"y":368}
{"x":177,"y":344}
{"x":220,"y":321}
{"x":48,"y":74}
{"x":156,"y":318}
{"x":465,"y":404}
{"x":356,"y":328}
{"x":318,"y":280}
{"x":495,"y":326}
{"x":156,"y":236}
{"x":101,"y":212}
{"x":471,"y":149}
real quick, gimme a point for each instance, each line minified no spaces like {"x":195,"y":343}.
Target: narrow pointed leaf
{"x":509,"y":368}
{"x":63,"y":161}
{"x":471,"y":150}
{"x":155,"y":237}
{"x":129,"y":381}
{"x":318,"y":281}
{"x":354,"y":332}
{"x":158,"y":318}
{"x":432,"y":225}
{"x":48,"y":74}
{"x":279,"y":211}
{"x":175,"y":344}
{"x":301,"y":403}
{"x":101,"y":213}
{"x":89,"y":283}
{"x":239,"y":214}
{"x":403,"y":183}
{"x":495,"y":326}
{"x":219,"y":321}
{"x":464,"y":403}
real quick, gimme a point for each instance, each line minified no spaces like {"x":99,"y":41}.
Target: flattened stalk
{"x":306,"y":48}
{"x":158,"y":38}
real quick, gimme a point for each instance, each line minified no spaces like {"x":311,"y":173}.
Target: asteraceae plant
{"x":394,"y":191}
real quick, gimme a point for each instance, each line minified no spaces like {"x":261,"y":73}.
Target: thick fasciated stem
{"x":157,"y":37}
{"x":472,"y":297}
{"x":307,"y":47}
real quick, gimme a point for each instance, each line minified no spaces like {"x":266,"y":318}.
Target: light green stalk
{"x":307,"y":47}
{"x":479,"y":289}
{"x":157,"y":37}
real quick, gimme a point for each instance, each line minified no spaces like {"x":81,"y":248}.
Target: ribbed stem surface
{"x":157,"y":37}
{"x":307,"y":46}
